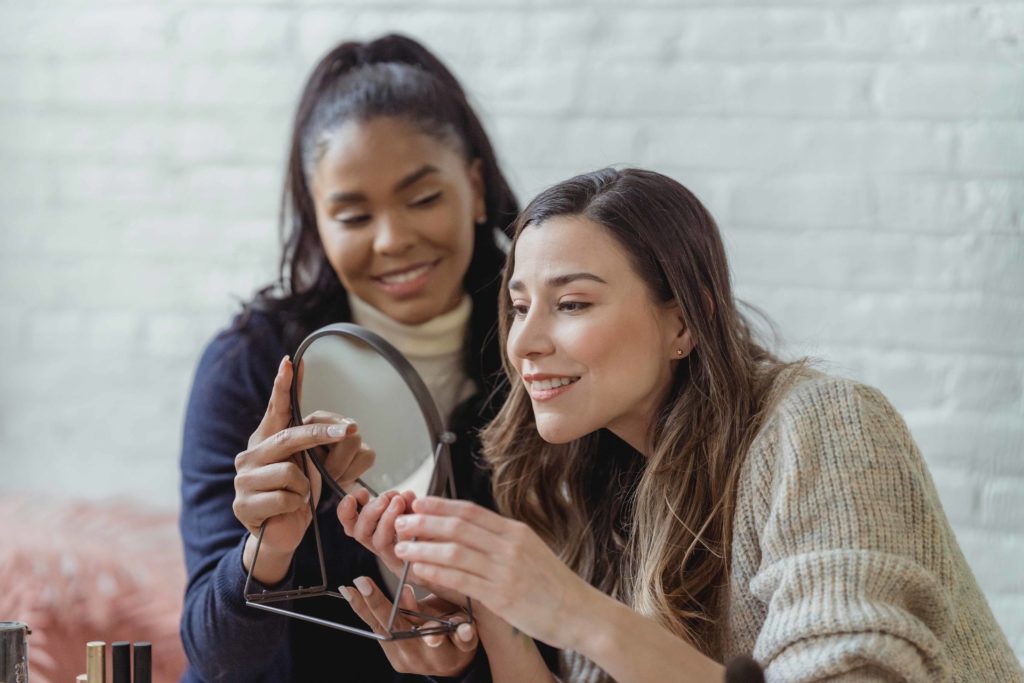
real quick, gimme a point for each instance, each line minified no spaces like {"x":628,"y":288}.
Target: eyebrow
{"x":559,"y":280}
{"x":412,"y":178}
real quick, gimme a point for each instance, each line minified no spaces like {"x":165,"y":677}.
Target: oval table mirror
{"x":350,"y":371}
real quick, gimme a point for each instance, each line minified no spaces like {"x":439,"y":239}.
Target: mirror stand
{"x":263,"y":599}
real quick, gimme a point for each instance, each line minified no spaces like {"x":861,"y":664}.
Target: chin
{"x":412,"y":311}
{"x":557,"y":430}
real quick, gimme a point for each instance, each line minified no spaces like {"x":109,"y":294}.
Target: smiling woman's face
{"x":591,"y":346}
{"x":395,"y":211}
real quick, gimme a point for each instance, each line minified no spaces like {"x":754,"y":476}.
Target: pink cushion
{"x":82,"y":571}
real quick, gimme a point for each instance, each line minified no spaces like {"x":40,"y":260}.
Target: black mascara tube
{"x":143,"y":663}
{"x":121,"y":662}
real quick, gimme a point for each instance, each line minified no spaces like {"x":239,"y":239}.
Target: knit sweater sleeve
{"x":855,"y":567}
{"x":223,"y":638}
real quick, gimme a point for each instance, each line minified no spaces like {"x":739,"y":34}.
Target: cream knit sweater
{"x":843,"y":564}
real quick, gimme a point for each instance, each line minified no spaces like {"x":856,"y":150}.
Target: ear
{"x":476,"y":183}
{"x":678,"y":337}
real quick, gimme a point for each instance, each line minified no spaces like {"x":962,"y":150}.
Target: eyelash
{"x":428,"y":200}
{"x":353,"y":221}
{"x":520,"y":310}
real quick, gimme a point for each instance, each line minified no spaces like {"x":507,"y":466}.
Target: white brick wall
{"x":865,"y":160}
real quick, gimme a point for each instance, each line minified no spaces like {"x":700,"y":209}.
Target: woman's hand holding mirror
{"x":371,"y":521}
{"x":441,"y":654}
{"x":270,"y":485}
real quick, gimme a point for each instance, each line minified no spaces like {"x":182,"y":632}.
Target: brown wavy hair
{"x":653,"y":532}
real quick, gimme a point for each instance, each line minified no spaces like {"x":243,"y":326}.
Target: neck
{"x":637,"y":427}
{"x":637,"y":436}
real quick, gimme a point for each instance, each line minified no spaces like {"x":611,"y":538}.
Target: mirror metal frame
{"x":442,"y":483}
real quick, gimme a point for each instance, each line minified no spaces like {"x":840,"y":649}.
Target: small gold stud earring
{"x":679,"y":352}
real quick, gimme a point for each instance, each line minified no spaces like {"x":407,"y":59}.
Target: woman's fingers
{"x":349,"y":458}
{"x":469,"y":584}
{"x":407,"y":599}
{"x":363,"y":460}
{"x":446,"y":554}
{"x":254,"y":509}
{"x":287,"y":442}
{"x":348,"y":514}
{"x":348,"y":510}
{"x":279,"y":408}
{"x":369,"y":516}
{"x":444,"y":528}
{"x":361,"y":608}
{"x":384,"y":534}
{"x":337,"y":457}
{"x":464,"y":637}
{"x":285,"y":476}
{"x":377,"y":604}
{"x":462,"y":509}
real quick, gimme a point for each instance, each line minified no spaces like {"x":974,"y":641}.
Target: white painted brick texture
{"x":865,"y":161}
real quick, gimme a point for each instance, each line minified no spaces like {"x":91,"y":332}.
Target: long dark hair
{"x":653,"y":532}
{"x":390,"y":76}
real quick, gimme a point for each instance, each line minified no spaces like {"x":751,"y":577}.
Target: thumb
{"x":279,"y":407}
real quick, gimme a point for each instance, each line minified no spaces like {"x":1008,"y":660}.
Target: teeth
{"x":554,"y":383}
{"x":408,"y":275}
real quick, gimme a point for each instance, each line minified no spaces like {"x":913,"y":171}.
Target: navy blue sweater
{"x":224,"y":639}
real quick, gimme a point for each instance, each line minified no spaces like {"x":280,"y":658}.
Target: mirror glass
{"x":352,"y":372}
{"x":343,"y":373}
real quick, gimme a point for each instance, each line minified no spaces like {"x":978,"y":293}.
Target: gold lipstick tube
{"x":96,"y":661}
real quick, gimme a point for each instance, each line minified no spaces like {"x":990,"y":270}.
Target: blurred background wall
{"x":865,"y":160}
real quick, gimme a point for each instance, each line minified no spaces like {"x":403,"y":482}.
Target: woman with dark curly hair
{"x":392,"y":208}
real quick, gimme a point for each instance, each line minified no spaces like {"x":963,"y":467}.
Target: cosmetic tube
{"x":121,"y":662}
{"x":143,"y":663}
{"x":96,"y":661}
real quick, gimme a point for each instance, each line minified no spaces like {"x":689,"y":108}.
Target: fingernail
{"x":402,"y":548}
{"x":363,"y":584}
{"x":465,"y":632}
{"x":400,"y":523}
{"x":344,"y":593}
{"x":280,"y":366}
{"x":344,"y":428}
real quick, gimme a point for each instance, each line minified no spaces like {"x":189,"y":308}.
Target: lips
{"x":406,"y":274}
{"x":543,"y":387}
{"x":402,"y":282}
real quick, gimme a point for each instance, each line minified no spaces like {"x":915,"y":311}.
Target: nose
{"x":529,"y":338}
{"x":393,"y":236}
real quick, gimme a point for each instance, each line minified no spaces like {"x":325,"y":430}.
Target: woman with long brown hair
{"x":672,"y":494}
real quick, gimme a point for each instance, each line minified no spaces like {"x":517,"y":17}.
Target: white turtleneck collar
{"x":434,"y":348}
{"x":441,"y":335}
